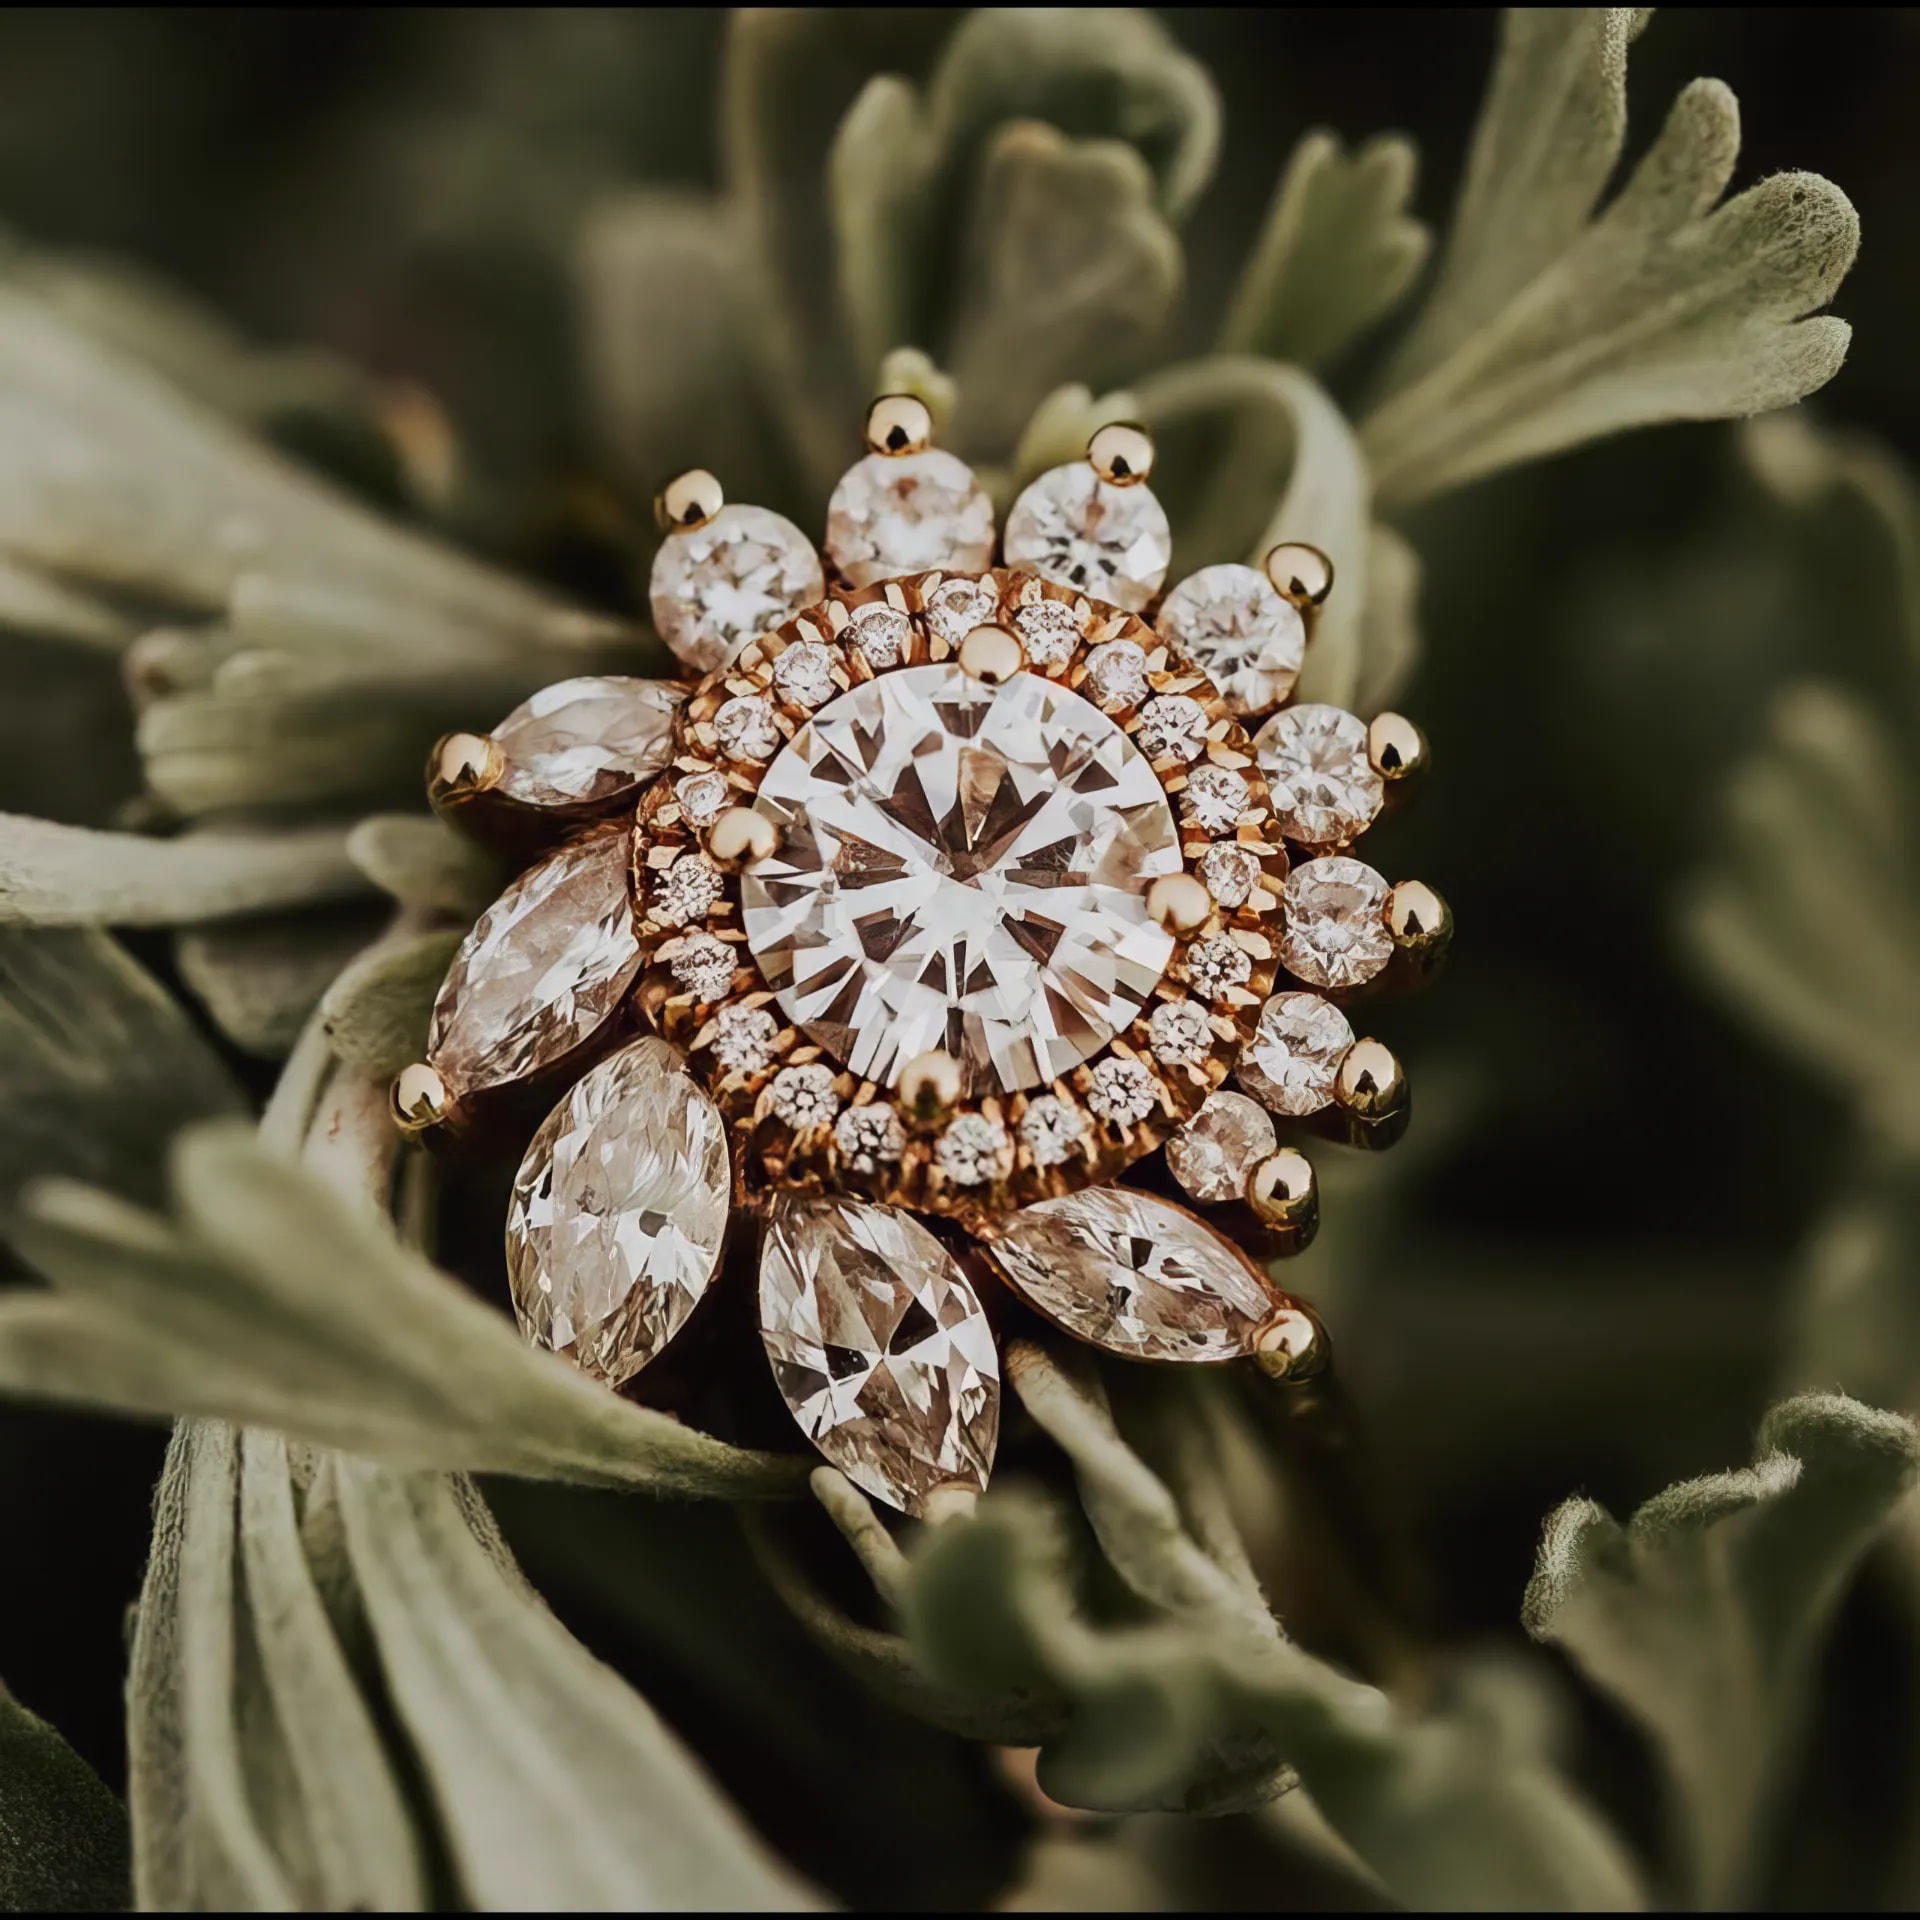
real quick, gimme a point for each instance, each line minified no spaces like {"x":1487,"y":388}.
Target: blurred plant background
{"x":495,"y":274}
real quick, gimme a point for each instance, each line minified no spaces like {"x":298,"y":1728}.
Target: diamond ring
{"x":946,"y":897}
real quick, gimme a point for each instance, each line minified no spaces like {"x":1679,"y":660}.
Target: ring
{"x":947,"y":896}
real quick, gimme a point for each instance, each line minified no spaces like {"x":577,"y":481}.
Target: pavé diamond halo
{"x":949,"y":894}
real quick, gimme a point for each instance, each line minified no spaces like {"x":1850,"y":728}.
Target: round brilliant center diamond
{"x":961,"y":867}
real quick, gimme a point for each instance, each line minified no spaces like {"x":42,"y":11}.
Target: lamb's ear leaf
{"x":67,"y":1847}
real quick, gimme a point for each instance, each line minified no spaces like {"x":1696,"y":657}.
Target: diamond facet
{"x":1172,"y":723}
{"x":588,"y":740}
{"x":701,"y":965}
{"x":1049,"y":630}
{"x":882,"y":633}
{"x":895,"y":514}
{"x":1214,"y":1152}
{"x":743,"y":1038}
{"x":1116,"y":674}
{"x":1295,"y":1052}
{"x":1215,"y":798}
{"x":544,"y":968}
{"x":1218,"y":965}
{"x":1180,"y":1033}
{"x":870,"y":1137}
{"x":1236,"y":629}
{"x":803,"y":675}
{"x":1324,"y":788}
{"x":687,"y":891}
{"x":1336,"y":923}
{"x":879,"y":1348}
{"x":803,"y":1096}
{"x":961,"y":867}
{"x":618,"y":1211}
{"x":956,"y":607}
{"x":1229,"y":872}
{"x":971,"y":1149}
{"x":746,"y":729}
{"x":702,"y":797}
{"x":1122,"y":1091}
{"x":1077,"y":530}
{"x":1134,"y":1275}
{"x":1051,"y":1130}
{"x":717,"y":586}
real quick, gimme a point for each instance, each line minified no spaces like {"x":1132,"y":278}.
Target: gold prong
{"x":1121,"y":454}
{"x":930,"y":1084}
{"x":1300,"y":573}
{"x":689,"y":500}
{"x":1396,"y":747}
{"x":991,"y":654}
{"x":899,"y":423}
{"x":1290,"y":1344}
{"x":1370,"y":1084}
{"x":1179,"y":901}
{"x":464,"y":764}
{"x":418,"y":1099}
{"x":1282,"y":1190}
{"x":1418,"y":919}
{"x":741,"y":837}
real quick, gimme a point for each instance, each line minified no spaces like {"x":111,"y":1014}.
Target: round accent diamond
{"x":588,"y":740}
{"x":869,"y":1137}
{"x":894,"y":514}
{"x":961,"y":867}
{"x":803,"y":675}
{"x":1324,"y":787}
{"x":1229,"y":872}
{"x":1051,"y":1130}
{"x":882,"y":633}
{"x":1295,"y":1052}
{"x":803,"y":1096}
{"x":1075,"y":529}
{"x":954,"y":609}
{"x":971,"y":1149}
{"x":718,"y":586}
{"x":1180,"y":1033}
{"x":1116,"y":674}
{"x":1239,"y":632}
{"x":1215,"y":798}
{"x":1123,"y":1091}
{"x":746,"y":729}
{"x":1216,"y":966}
{"x":1336,"y":923}
{"x":1172,"y":723}
{"x":743,"y":1038}
{"x":1212,"y":1155}
{"x":703,"y":797}
{"x":1049,"y":630}
{"x":702,"y":965}
{"x":689,"y":890}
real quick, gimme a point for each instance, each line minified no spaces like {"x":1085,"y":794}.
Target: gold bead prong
{"x":1180,"y":902}
{"x":1121,"y":454}
{"x":1417,"y":918}
{"x":464,"y":764}
{"x":418,"y":1100}
{"x":1300,"y":573}
{"x":1396,"y":747}
{"x":1282,"y":1190}
{"x":899,"y":423}
{"x":1290,"y":1345}
{"x":688,"y":500}
{"x":1370,"y":1084}
{"x":741,"y":837}
{"x":992,"y":654}
{"x":930,"y":1085}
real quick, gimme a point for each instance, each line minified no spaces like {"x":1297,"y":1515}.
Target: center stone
{"x":961,"y":867}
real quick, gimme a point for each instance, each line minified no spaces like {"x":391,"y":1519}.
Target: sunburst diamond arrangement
{"x":949,"y":894}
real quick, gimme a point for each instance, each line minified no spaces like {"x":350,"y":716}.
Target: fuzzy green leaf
{"x":424,"y":864}
{"x":261,"y":980}
{"x":1337,"y":253}
{"x":32,"y":602}
{"x":63,"y":1836}
{"x":1702,"y":1615}
{"x":376,"y":1014}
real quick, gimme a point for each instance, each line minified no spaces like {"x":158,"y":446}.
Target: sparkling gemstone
{"x":1229,"y":872}
{"x":971,"y":1149}
{"x":1217,"y":965}
{"x":955,"y":608}
{"x":1295,"y":1052}
{"x":1215,"y":798}
{"x":803,"y":1096}
{"x":869,"y":1137}
{"x":961,"y":867}
{"x":1051,"y":1130}
{"x":617,"y":1214}
{"x":746,"y":729}
{"x":702,"y":797}
{"x":1180,"y":1033}
{"x":1212,"y":1155}
{"x":879,"y":1348}
{"x":687,"y":891}
{"x":1239,"y":632}
{"x":1336,"y":923}
{"x":894,"y":514}
{"x":701,"y":965}
{"x":587,"y":740}
{"x":716,"y":587}
{"x":1117,"y":674}
{"x":1123,"y":1091}
{"x":1049,"y":630}
{"x":1323,"y":785}
{"x":547,"y":964}
{"x":882,"y":633}
{"x":803,"y":676}
{"x":1075,"y":529}
{"x":743,"y":1038}
{"x":1172,"y":723}
{"x":1134,"y":1275}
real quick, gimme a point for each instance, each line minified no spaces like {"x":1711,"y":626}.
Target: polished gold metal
{"x":992,"y":655}
{"x":688,"y":500}
{"x":1396,"y":747}
{"x":1282,"y":1190}
{"x":1179,"y":901}
{"x":465,"y":764}
{"x":898,"y":423}
{"x":1370,"y":1084}
{"x":741,"y":837}
{"x":1419,"y":920}
{"x":931,"y":1084}
{"x":1290,"y":1346}
{"x":1300,"y":573}
{"x":1121,"y":454}
{"x":418,"y":1099}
